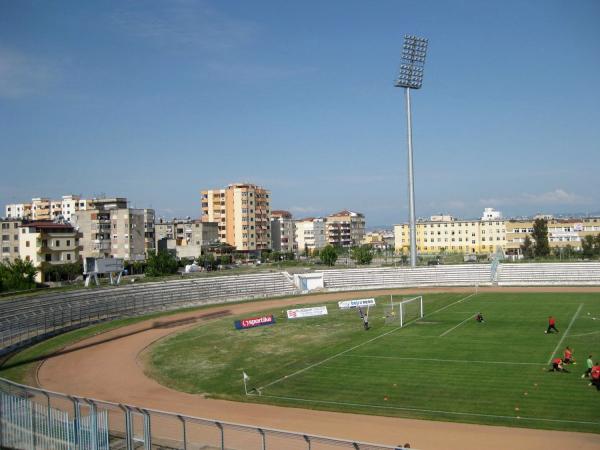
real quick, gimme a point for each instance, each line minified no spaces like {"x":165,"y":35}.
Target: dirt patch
{"x":108,"y":369}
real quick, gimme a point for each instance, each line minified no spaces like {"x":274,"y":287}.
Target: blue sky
{"x":157,"y":100}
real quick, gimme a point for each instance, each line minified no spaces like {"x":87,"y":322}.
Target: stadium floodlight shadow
{"x":155,"y":325}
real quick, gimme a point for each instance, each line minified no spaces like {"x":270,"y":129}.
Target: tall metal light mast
{"x":411,"y":77}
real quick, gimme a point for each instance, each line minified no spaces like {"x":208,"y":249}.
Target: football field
{"x":444,"y":366}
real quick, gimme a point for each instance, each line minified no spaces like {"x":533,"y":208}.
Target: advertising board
{"x":307,"y":312}
{"x":254,"y":322}
{"x":345,"y":304}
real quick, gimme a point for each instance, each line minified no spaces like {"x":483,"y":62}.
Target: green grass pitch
{"x":445,"y":366}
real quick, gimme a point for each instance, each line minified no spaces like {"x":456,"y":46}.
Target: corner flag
{"x":245,"y":378}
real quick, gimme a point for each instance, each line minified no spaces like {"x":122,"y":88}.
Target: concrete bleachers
{"x":456,"y":275}
{"x":25,"y":318}
{"x":549,"y":274}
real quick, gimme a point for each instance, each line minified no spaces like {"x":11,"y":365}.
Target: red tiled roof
{"x":47,"y":225}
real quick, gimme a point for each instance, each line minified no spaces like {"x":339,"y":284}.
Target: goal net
{"x":403,"y":312}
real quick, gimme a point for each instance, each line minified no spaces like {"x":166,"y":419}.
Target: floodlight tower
{"x":411,"y":77}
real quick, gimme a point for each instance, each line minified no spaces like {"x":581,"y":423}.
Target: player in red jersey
{"x":551,"y":324}
{"x":568,"y":356}
{"x":557,"y":366}
{"x":595,"y":376}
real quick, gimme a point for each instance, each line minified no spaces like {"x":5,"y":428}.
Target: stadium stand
{"x":29,"y":318}
{"x":455,"y":275}
{"x":555,"y":274}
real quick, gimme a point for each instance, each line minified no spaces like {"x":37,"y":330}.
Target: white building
{"x":310,"y":234}
{"x":491,"y":214}
{"x":18,"y":211}
{"x":46,"y":242}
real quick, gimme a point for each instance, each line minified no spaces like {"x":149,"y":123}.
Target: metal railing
{"x":26,"y":320}
{"x":132,"y":427}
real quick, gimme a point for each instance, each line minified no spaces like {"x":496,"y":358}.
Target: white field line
{"x":585,"y":334}
{"x":471,"y":316}
{"x":566,"y":332}
{"x":455,"y":413}
{"x":356,"y":346}
{"x":511,"y":363}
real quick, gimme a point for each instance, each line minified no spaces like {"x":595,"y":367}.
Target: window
{"x":68,"y":242}
{"x":57,"y":243}
{"x":5,"y":237}
{"x":26,"y":243}
{"x":68,"y":257}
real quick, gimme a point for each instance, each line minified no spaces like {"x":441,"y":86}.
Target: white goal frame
{"x":400,"y":307}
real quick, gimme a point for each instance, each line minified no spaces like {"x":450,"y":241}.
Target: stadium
{"x":163,"y":365}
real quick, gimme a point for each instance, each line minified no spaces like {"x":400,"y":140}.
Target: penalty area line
{"x":357,"y":346}
{"x":433,"y":411}
{"x":456,"y":326}
{"x":566,"y":332}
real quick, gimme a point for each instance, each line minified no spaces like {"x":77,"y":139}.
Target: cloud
{"x":213,"y":39}
{"x":185,"y":24}
{"x":22,"y":75}
{"x":556,"y":197}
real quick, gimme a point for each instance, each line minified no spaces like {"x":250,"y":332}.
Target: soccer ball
{"x":545,"y":331}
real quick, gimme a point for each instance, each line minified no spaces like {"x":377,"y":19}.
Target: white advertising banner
{"x":307,"y":312}
{"x":356,"y":303}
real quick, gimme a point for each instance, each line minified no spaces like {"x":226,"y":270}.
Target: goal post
{"x":405,"y":311}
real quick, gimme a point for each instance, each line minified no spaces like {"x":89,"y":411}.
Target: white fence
{"x":33,"y":418}
{"x":25,"y":424}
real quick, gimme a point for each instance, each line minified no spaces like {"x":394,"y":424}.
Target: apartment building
{"x":108,"y":228}
{"x":185,"y":237}
{"x":492,"y":233}
{"x":47,"y":242}
{"x":561,"y":232}
{"x":9,"y":244}
{"x":18,"y":211}
{"x":242,"y":213}
{"x":70,"y":204}
{"x":94,"y":228}
{"x":44,"y":209}
{"x":128,"y":238}
{"x":310,"y":234}
{"x":345,"y":228}
{"x":444,"y":233}
{"x":283,"y":232}
{"x":40,"y":209}
{"x":149,"y":231}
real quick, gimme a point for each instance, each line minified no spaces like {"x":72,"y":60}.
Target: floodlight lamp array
{"x":414,"y":51}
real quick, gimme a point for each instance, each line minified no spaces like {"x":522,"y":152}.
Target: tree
{"x":208,"y":261}
{"x":363,"y":255}
{"x":587,"y":246}
{"x":540,"y":236}
{"x":328,"y":255}
{"x":527,"y":248}
{"x":161,"y":263}
{"x":17,"y":275}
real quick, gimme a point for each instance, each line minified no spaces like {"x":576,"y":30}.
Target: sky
{"x":158,"y":100}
